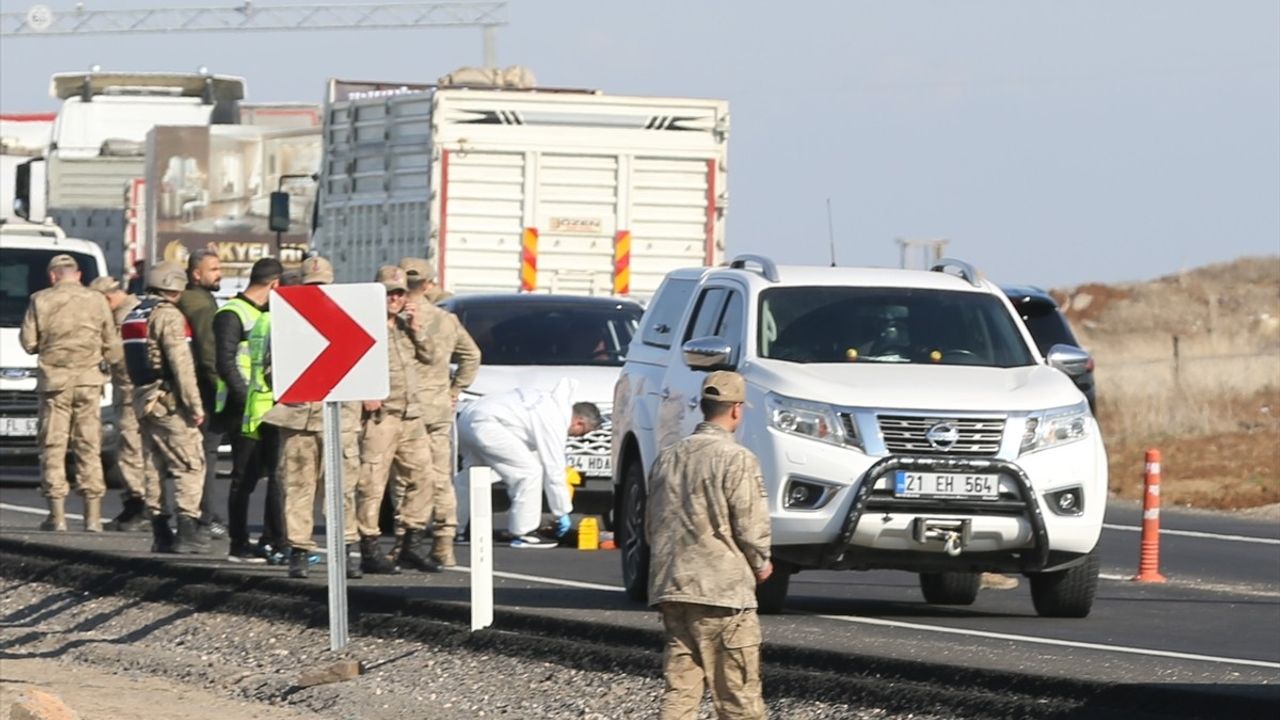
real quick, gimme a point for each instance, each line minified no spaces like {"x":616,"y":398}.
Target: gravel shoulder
{"x":125,"y":654}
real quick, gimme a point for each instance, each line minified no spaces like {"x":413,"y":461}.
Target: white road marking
{"x":1051,"y":641}
{"x":1197,"y":534}
{"x":35,"y":511}
{"x":529,"y":578}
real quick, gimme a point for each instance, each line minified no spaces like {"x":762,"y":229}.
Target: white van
{"x":25,"y":251}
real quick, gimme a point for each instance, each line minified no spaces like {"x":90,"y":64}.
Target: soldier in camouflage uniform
{"x":438,"y":395}
{"x":301,"y":463}
{"x":70,"y":328}
{"x":707,"y":523}
{"x":395,"y":436}
{"x":170,"y":413}
{"x":133,"y":516}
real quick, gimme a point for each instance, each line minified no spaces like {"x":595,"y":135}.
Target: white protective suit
{"x":521,"y":435}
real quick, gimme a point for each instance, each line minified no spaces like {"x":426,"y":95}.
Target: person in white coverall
{"x":520,"y":434}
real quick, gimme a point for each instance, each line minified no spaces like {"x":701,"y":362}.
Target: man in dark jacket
{"x":197,"y":303}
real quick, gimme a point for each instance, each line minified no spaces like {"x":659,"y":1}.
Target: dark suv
{"x":1048,"y":327}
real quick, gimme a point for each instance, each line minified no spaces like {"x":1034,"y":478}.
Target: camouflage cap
{"x":105,"y":284}
{"x":63,"y":261}
{"x":167,"y":275}
{"x":392,"y":278}
{"x":317,"y":271}
{"x":725,"y":386}
{"x":418,"y":269}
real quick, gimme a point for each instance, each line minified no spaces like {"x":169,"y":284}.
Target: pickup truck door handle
{"x":666,"y":394}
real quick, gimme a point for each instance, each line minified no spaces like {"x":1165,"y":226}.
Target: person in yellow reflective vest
{"x":252,"y":458}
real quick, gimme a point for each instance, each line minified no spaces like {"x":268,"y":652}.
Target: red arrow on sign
{"x":348,"y":343}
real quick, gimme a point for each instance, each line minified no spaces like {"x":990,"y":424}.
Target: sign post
{"x":329,"y":345}
{"x":480,"y":486}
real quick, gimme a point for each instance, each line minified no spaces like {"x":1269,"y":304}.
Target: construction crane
{"x":43,"y":21}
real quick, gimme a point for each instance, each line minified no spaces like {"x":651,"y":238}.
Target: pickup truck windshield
{"x":24,"y":271}
{"x":517,"y":333}
{"x":888,"y":325}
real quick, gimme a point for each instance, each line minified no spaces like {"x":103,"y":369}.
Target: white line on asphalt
{"x":544,"y":580}
{"x":1196,"y":534}
{"x":35,"y":511}
{"x":1051,"y":641}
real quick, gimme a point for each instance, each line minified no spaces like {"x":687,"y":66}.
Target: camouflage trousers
{"x":712,"y":648}
{"x":301,"y":473}
{"x":130,"y":459}
{"x":71,"y":418}
{"x":174,"y":447}
{"x":444,"y":515}
{"x":391,"y":442}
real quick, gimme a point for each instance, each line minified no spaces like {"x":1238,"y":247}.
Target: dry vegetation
{"x":1214,"y":412}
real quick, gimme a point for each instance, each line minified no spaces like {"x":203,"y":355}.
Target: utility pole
{"x":930,"y":250}
{"x":43,"y":21}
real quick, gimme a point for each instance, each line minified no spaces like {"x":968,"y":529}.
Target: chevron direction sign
{"x":329,"y":343}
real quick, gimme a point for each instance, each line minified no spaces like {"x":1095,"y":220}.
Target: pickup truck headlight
{"x":807,"y":419}
{"x":1055,"y":427}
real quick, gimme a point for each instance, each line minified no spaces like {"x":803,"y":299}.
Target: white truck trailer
{"x":535,"y":190}
{"x":98,"y":143}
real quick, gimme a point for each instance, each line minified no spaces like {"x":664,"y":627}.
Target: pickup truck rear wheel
{"x":630,"y":534}
{"x":1067,"y":593}
{"x":950,"y":588}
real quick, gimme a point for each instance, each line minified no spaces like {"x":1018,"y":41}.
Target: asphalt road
{"x":1216,"y":621}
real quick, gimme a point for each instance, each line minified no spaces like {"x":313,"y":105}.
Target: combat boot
{"x":298,"y":563}
{"x":161,"y":534}
{"x":132,"y":518}
{"x":373,"y":561}
{"x":411,"y":553}
{"x":93,"y":515}
{"x":442,"y":550}
{"x":353,"y":563}
{"x":57,"y":519}
{"x":189,"y":539}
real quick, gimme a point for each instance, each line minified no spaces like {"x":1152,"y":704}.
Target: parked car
{"x":1049,"y":327}
{"x":903,"y":420}
{"x":25,"y":251}
{"x":533,"y":340}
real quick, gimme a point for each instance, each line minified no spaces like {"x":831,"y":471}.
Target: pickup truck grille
{"x":973,"y":437}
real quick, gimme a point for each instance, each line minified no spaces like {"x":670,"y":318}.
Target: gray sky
{"x":1051,"y":142}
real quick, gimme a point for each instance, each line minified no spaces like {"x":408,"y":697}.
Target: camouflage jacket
{"x":70,"y":329}
{"x":406,"y":350}
{"x":450,"y":342}
{"x":169,"y":353}
{"x":309,"y":417}
{"x":707,"y":522}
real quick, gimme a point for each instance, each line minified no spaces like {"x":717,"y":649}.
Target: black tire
{"x":630,"y":535}
{"x":772,"y":593}
{"x":950,"y":588}
{"x":1067,"y":593}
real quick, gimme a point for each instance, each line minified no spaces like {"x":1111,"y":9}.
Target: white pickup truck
{"x":903,"y":420}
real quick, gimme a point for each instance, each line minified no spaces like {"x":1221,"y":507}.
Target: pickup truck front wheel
{"x":1067,"y":593}
{"x":630,"y":533}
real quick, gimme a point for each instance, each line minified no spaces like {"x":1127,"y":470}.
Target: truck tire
{"x":771,"y":594}
{"x":950,"y":588}
{"x":1067,"y":593}
{"x":630,"y":535}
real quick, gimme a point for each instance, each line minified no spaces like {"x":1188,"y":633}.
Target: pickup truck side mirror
{"x":708,"y":353}
{"x":1069,"y":359}
{"x":278,"y":218}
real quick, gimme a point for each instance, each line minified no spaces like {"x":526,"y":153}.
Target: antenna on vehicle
{"x":831,"y":233}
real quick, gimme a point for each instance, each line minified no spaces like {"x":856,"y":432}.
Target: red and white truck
{"x":535,"y":190}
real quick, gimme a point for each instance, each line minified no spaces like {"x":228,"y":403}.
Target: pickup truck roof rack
{"x":768,"y":268}
{"x":962,"y":268}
